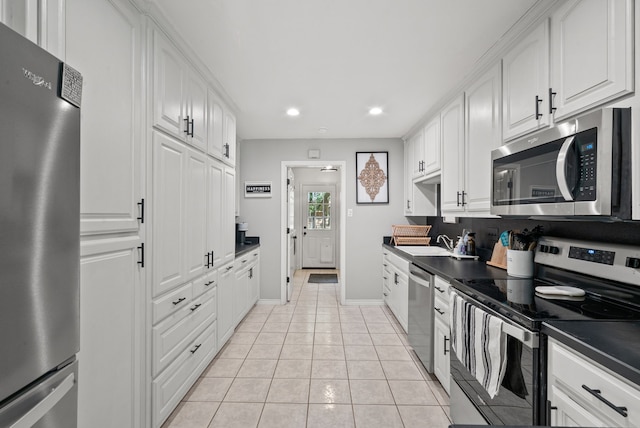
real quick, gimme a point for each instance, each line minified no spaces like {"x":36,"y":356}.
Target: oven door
{"x":518,"y":399}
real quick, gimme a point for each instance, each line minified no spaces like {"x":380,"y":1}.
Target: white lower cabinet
{"x":579,"y":389}
{"x":441,"y":332}
{"x":169,"y":388}
{"x":247,"y":285}
{"x":111,"y":334}
{"x":396,"y":286}
{"x":226,"y":280}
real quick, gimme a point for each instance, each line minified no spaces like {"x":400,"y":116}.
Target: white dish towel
{"x":478,"y":341}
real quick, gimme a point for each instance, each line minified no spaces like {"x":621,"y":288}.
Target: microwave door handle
{"x":561,"y":168}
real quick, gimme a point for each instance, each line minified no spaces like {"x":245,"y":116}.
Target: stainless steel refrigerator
{"x":39,"y":235}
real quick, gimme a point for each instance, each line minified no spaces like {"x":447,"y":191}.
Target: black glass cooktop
{"x":516,"y":299}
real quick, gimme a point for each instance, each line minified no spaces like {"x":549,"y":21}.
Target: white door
{"x":195,"y":214}
{"x":319,"y":228}
{"x":291,"y":232}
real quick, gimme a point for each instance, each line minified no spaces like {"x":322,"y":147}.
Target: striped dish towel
{"x":477,"y":340}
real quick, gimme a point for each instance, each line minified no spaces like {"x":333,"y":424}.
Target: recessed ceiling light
{"x":322,"y":130}
{"x":293,"y":111}
{"x":328,"y":168}
{"x":374,"y":111}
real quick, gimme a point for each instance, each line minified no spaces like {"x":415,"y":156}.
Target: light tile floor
{"x":314,"y":363}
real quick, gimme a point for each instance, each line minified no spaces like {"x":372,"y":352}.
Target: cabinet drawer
{"x":569,"y":371}
{"x":172,"y":302}
{"x":169,"y":388}
{"x":441,"y":309}
{"x":171,"y":336}
{"x":207,"y":282}
{"x":441,"y":288}
{"x":400,"y":263}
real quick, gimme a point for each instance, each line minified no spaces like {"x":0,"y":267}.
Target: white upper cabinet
{"x":40,"y":21}
{"x":591,"y":54}
{"x":229,"y":138}
{"x":179,"y":95}
{"x":525,"y":84}
{"x":417,"y":160}
{"x":482,"y":135}
{"x":196,"y":112}
{"x":470,"y":130}
{"x":169,"y":75}
{"x":215,"y":118}
{"x":432,"y":144}
{"x":453,"y":161}
{"x":111,"y":131}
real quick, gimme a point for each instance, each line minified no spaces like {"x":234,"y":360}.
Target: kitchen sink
{"x":424,"y":250}
{"x":432,"y":252}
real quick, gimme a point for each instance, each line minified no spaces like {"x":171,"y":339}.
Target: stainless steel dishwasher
{"x":420,"y":323}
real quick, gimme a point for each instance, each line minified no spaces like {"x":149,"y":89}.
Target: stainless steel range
{"x":609,"y":275}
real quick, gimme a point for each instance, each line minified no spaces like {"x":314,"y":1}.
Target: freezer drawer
{"x":51,"y":403}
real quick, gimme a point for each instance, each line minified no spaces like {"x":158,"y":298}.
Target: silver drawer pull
{"x":596,"y":393}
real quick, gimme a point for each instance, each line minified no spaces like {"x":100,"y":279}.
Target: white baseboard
{"x":368,"y":302}
{"x":268,"y":302}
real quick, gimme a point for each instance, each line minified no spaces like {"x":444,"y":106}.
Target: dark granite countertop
{"x":251,"y":243}
{"x":613,"y":344}
{"x":449,"y":267}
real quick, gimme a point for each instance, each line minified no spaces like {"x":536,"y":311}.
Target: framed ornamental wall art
{"x":372,"y":177}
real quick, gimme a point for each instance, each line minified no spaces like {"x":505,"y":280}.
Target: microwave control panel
{"x":587,"y":161}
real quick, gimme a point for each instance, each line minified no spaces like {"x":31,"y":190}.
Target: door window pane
{"x":319,"y":210}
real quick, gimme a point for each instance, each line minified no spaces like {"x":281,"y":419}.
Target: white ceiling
{"x":334,"y":59}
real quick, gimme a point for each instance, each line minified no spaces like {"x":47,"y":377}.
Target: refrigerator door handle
{"x":45,"y":405}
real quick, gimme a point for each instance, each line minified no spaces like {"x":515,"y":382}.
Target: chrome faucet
{"x":448,"y":242}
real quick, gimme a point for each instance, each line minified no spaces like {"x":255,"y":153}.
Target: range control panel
{"x":592,"y":255}
{"x":599,"y":259}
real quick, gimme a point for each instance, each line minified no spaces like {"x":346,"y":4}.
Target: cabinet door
{"x":254,"y":280}
{"x":215,"y":143}
{"x":168,"y":220}
{"x":403,"y":300}
{"x":225,"y":304}
{"x":228,"y":216}
{"x":417,"y":144}
{"x":215,"y":211}
{"x":230,"y":138}
{"x":196,"y":111}
{"x":525,"y":77}
{"x":169,"y":76}
{"x":240,"y":295}
{"x":21,"y":16}
{"x":195,"y":214}
{"x":112,"y":320}
{"x":110,"y":183}
{"x":568,"y":413}
{"x":432,"y":145}
{"x":453,"y":165}
{"x":591,"y":53}
{"x":482,"y":132}
{"x":408,"y":178}
{"x":441,"y":352}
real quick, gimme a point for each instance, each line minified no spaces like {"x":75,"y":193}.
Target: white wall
{"x":261,"y":161}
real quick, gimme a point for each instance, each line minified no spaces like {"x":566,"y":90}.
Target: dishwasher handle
{"x":420,"y":276}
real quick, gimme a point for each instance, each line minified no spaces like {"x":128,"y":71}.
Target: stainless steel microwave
{"x":580,"y":167}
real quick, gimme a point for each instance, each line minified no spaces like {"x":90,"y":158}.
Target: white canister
{"x":520,"y":263}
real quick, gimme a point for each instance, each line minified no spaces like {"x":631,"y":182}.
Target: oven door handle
{"x":523,"y":336}
{"x":561,"y":169}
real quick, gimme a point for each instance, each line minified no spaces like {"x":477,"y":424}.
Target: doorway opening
{"x":313,"y":223}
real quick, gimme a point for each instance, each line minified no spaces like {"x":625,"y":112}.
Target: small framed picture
{"x":372,"y":177}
